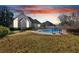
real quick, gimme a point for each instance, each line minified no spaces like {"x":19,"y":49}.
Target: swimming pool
{"x":50,"y":30}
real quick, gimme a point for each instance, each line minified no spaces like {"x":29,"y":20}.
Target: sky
{"x":44,"y":12}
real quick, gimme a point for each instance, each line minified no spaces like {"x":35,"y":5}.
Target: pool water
{"x":51,"y":30}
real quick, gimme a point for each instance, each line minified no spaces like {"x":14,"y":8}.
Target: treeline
{"x":6,"y":17}
{"x":69,"y":20}
{"x":71,"y":23}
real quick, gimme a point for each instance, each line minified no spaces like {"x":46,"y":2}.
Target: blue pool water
{"x":51,"y":30}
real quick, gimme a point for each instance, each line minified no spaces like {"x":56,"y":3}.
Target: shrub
{"x":73,"y":31}
{"x":4,"y":31}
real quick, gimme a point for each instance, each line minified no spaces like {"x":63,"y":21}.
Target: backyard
{"x":28,"y":42}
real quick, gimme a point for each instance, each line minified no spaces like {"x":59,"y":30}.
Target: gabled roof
{"x":36,"y":21}
{"x":30,"y":19}
{"x":20,"y":16}
{"x":47,"y":23}
{"x":23,"y":16}
{"x":33,"y":20}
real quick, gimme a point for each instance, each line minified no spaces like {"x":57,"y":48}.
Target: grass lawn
{"x":30,"y":42}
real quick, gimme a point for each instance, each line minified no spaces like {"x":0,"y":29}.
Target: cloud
{"x":46,"y":10}
{"x":42,"y":9}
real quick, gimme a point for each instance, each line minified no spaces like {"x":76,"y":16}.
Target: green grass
{"x":30,"y":42}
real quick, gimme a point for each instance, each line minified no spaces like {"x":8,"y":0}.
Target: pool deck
{"x":44,"y":33}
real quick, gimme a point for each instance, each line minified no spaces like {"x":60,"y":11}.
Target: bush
{"x":73,"y":31}
{"x":4,"y":31}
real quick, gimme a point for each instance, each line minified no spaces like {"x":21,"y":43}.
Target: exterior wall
{"x":22,"y":24}
{"x":15,"y":23}
{"x":38,"y":25}
{"x":28,"y":24}
{"x":35,"y":26}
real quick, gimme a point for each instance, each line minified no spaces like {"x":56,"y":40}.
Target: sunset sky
{"x":45,"y":12}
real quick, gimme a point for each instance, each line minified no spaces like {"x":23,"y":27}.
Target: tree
{"x":63,"y":19}
{"x":6,"y":16}
{"x":69,"y":20}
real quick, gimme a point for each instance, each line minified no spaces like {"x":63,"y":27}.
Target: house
{"x":21,"y":22}
{"x":47,"y":24}
{"x":35,"y":24}
{"x":24,"y":22}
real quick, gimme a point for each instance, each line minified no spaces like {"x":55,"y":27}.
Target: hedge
{"x":4,"y":31}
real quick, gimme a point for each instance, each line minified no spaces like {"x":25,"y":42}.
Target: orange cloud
{"x":39,"y":9}
{"x":48,"y":11}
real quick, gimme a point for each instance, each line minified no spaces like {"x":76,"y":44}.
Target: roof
{"x":33,"y":20}
{"x":47,"y":23}
{"x":36,"y":21}
{"x":30,"y":19}
{"x":21,"y":16}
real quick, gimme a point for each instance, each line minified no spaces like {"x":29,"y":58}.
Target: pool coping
{"x":44,"y":33}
